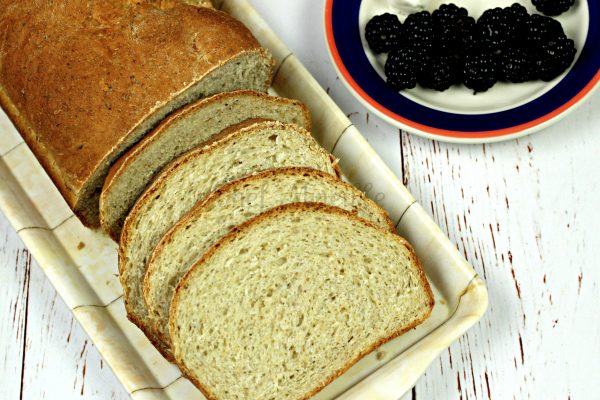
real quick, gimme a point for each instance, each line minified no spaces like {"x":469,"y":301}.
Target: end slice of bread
{"x":239,"y":151}
{"x":230,"y":206}
{"x":182,"y":131}
{"x":288,"y":301}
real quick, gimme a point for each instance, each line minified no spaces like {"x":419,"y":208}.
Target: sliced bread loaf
{"x":288,"y":301}
{"x":182,"y":131}
{"x":232,"y":205}
{"x":239,"y":151}
{"x":84,"y":80}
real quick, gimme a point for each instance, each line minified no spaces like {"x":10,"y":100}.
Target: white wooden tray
{"x":82,"y":264}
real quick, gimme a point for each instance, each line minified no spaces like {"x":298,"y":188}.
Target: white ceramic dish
{"x":505,"y":111}
{"x":82,"y":264}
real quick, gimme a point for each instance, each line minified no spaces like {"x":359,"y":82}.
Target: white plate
{"x":504,"y":112}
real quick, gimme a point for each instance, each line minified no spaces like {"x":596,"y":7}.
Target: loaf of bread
{"x":83,"y":80}
{"x":288,"y":301}
{"x":230,"y":206}
{"x":180,"y":132}
{"x":242,"y":255}
{"x":239,"y":151}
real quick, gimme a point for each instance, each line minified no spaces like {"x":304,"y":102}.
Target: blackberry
{"x":553,"y":7}
{"x":541,"y":30}
{"x":401,"y":68}
{"x":418,"y":31}
{"x":480,"y":71}
{"x":554,"y":57}
{"x":442,"y":72}
{"x":383,"y":32}
{"x":500,"y":28}
{"x":518,"y":16}
{"x":453,"y":29}
{"x":516,"y":65}
{"x":492,"y":29}
{"x":517,"y":10}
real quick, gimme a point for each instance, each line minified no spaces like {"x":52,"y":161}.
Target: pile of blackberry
{"x":447,"y":47}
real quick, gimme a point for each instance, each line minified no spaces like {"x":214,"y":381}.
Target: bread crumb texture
{"x":279,"y":309}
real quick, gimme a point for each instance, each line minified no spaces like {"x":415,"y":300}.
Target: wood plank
{"x":60,"y":361}
{"x":43,"y":350}
{"x":15,"y":263}
{"x":524,"y":213}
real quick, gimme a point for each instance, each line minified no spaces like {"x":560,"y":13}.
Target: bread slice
{"x":291,"y":299}
{"x":232,"y":205}
{"x":239,"y":151}
{"x":85,"y":80}
{"x":179,"y":133}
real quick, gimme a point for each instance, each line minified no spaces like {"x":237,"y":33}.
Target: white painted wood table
{"x":524,"y":213}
